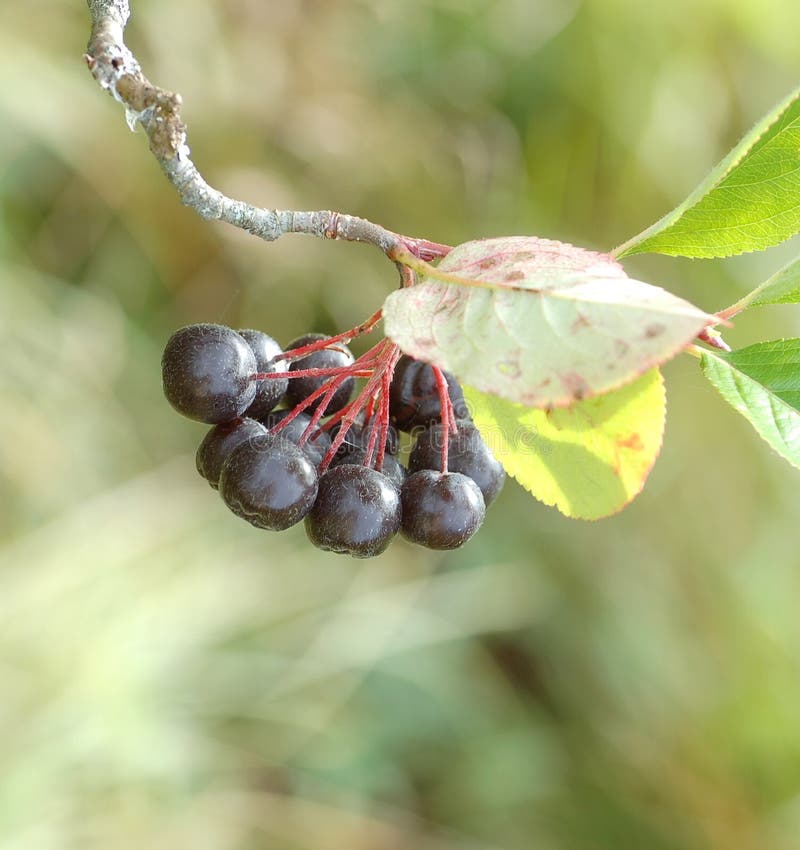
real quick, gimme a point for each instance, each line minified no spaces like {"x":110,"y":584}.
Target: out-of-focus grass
{"x":170,"y":677}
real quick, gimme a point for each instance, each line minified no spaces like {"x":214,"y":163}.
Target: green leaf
{"x":747,"y":203}
{"x":782,"y":288}
{"x":538,"y":322}
{"x":762,"y":382}
{"x":589,"y":460}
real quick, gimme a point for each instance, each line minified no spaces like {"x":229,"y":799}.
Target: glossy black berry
{"x":269,"y":391}
{"x":207,"y":373}
{"x":269,"y":482}
{"x":441,"y":510}
{"x":357,"y":512}
{"x":414,"y":397}
{"x":318,"y":441}
{"x":391,"y":467}
{"x":467,"y":454}
{"x":219,"y":442}
{"x":336,"y":357}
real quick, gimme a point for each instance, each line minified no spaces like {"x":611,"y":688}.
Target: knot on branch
{"x":107,"y":56}
{"x":159,"y":112}
{"x":116,"y":69}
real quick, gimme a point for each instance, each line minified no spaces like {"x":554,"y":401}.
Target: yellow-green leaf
{"x":589,"y":460}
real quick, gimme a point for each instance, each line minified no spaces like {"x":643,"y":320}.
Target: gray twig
{"x":117,"y":70}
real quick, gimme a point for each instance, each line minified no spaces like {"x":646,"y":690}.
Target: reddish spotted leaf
{"x":538,"y":322}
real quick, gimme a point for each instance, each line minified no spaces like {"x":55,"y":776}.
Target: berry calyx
{"x":357,"y":512}
{"x":207,"y":373}
{"x":441,"y":510}
{"x":269,"y":482}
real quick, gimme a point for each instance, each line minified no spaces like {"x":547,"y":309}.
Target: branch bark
{"x":117,"y":71}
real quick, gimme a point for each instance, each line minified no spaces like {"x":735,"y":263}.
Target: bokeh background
{"x":171,"y":677}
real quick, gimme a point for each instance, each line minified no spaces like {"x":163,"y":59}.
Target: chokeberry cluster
{"x":293,"y":440}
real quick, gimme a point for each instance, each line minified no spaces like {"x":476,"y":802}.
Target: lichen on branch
{"x":158,"y":110}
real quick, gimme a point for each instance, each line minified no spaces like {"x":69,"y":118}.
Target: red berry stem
{"x":329,"y":342}
{"x":376,"y":365}
{"x":383,"y":415}
{"x":341,"y":375}
{"x":379,"y":425}
{"x":369,"y":409}
{"x":386,"y":353}
{"x":324,"y":392}
{"x":330,"y":390}
{"x":374,"y":432}
{"x":361,"y":368}
{"x":426,"y":250}
{"x":368,"y":361}
{"x":407,"y":276}
{"x":311,"y":373}
{"x":448,"y":418}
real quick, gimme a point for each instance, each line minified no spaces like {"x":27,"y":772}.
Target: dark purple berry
{"x":414,"y":397}
{"x":207,"y":373}
{"x":392,"y":468}
{"x":441,"y":510}
{"x":318,"y":442}
{"x":358,"y":436}
{"x":337,"y":357}
{"x":269,"y":482}
{"x":219,"y":442}
{"x":467,"y":454}
{"x":357,"y":512}
{"x":269,"y":391}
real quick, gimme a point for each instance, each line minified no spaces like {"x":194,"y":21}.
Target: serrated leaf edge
{"x":743,"y":409}
{"x":637,"y":244}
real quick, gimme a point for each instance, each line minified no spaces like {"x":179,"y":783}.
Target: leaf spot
{"x":632,"y":441}
{"x":654,"y":330}
{"x":509,"y":368}
{"x":576,"y":385}
{"x":446,"y":307}
{"x":580,"y":322}
{"x":515,"y":274}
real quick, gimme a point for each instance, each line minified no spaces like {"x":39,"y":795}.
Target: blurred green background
{"x":171,"y":677}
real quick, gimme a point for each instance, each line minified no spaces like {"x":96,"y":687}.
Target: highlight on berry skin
{"x":207,"y":373}
{"x":362,"y":449}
